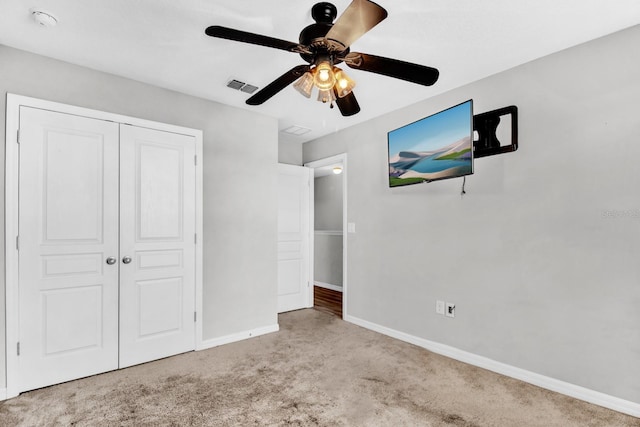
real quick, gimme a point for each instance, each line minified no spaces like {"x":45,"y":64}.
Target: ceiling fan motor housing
{"x":313,"y":35}
{"x":324,"y":12}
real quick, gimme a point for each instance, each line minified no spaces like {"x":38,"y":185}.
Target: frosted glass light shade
{"x":344,"y":84}
{"x":326,"y":95}
{"x":304,"y":84}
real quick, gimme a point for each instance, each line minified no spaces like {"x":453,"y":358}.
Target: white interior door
{"x":68,"y":228}
{"x":107,"y":243}
{"x":157,"y":244}
{"x":294,"y":236}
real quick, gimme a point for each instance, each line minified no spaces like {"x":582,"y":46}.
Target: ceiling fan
{"x":325,"y":44}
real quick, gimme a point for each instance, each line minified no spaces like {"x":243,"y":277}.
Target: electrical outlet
{"x":450,"y":309}
{"x":439,"y":307}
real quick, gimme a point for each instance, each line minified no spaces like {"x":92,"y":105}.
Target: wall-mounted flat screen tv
{"x":436,"y":147}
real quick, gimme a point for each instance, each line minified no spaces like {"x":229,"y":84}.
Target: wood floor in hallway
{"x":327,"y":300}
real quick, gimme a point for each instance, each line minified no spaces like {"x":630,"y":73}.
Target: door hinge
{"x":18,"y":348}
{"x":17,"y":243}
{"x":195,"y":238}
{"x":195,"y":316}
{"x":195,"y":160}
{"x":18,"y":137}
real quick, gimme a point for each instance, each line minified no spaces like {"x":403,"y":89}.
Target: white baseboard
{"x":327,"y":286}
{"x":572,"y":390}
{"x":3,"y":394}
{"x":239,"y":336}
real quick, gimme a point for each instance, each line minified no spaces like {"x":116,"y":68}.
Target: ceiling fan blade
{"x":408,"y":71}
{"x":278,"y":84}
{"x":358,"y":18}
{"x":348,"y":105}
{"x":245,"y":37}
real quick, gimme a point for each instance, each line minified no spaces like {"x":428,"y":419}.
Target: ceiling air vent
{"x":249,"y":88}
{"x":296,"y":130}
{"x":235,"y":84}
{"x":241,"y":86}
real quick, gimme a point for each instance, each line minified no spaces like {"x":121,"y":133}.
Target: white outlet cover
{"x":439,"y":307}
{"x":450,"y":309}
{"x":351,"y":227}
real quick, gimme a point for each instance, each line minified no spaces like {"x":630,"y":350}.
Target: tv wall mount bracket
{"x":486,"y":125}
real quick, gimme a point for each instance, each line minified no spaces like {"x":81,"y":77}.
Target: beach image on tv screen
{"x":433,"y":148}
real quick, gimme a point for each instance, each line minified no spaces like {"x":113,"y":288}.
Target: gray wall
{"x":541,"y":255}
{"x":327,"y":262}
{"x":327,"y":197}
{"x":240,"y":214}
{"x":290,"y":153}
{"x":327,"y":248}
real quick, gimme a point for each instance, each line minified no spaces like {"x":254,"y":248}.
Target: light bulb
{"x":344,"y":84}
{"x":337,"y":170}
{"x":324,"y":78}
{"x":323,"y":75}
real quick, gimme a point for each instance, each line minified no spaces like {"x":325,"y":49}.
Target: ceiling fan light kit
{"x":325,"y":44}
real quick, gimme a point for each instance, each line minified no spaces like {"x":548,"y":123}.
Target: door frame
{"x":14,"y":102}
{"x":339,"y":159}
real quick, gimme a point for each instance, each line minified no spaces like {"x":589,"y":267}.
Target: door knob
{"x":126,"y":260}
{"x":111,"y":260}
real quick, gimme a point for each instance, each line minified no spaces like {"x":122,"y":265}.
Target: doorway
{"x":329,"y":237}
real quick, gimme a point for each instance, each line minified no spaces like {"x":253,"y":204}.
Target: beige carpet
{"x":317,"y":371}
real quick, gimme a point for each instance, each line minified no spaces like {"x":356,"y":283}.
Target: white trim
{"x":17,"y":100}
{"x":568,"y":389}
{"x":239,"y":336}
{"x":13,"y":104}
{"x":340,"y":158}
{"x":199,"y":276}
{"x":11,"y":254}
{"x":3,"y":394}
{"x":312,"y":236}
{"x":328,"y":286}
{"x":328,"y":232}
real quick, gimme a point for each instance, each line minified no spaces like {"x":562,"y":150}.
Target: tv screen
{"x":436,"y":147}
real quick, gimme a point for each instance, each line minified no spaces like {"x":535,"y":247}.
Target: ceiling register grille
{"x":241,"y":86}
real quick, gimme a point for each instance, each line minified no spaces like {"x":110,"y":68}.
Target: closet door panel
{"x":68,"y":227}
{"x":157,"y":246}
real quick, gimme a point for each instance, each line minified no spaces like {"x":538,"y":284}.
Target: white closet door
{"x":68,"y":209}
{"x":157,"y":235}
{"x":294,"y":231}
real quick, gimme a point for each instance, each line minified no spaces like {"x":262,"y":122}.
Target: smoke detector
{"x":44,"y":19}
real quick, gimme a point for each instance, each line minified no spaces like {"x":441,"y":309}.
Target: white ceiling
{"x":162,"y":42}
